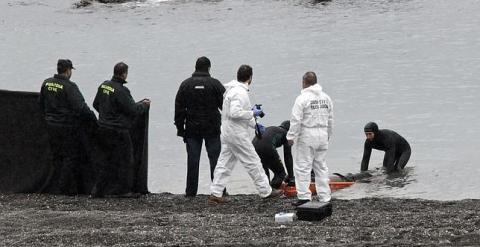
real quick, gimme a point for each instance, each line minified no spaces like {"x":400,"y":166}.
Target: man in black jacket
{"x":272,"y":138}
{"x":197,"y":118}
{"x":397,"y":150}
{"x":66,"y":113}
{"x":117,"y":110}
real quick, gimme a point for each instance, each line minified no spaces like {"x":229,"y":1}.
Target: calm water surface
{"x":410,"y":65}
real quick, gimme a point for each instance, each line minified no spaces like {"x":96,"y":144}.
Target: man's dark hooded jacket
{"x":197,"y":105}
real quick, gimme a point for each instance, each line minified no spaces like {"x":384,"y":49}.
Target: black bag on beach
{"x":314,"y":211}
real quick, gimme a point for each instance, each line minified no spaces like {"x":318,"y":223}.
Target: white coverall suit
{"x":310,"y":129}
{"x":237,"y":127}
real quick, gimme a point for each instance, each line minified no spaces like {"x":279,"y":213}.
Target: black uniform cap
{"x":64,"y":64}
{"x":371,"y":127}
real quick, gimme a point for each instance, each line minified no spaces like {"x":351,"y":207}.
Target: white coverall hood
{"x":230,"y":85}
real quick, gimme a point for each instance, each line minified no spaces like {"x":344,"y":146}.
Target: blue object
{"x":261,"y":128}
{"x":257,"y":112}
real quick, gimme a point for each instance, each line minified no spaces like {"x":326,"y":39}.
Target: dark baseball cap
{"x":64,"y":64}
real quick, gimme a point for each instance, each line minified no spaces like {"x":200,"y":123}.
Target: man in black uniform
{"x":117,"y":110}
{"x":66,"y":113}
{"x":197,"y":118}
{"x":272,"y":138}
{"x":397,"y":150}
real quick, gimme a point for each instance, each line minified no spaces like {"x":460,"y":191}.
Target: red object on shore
{"x":334,"y":186}
{"x":290,"y":191}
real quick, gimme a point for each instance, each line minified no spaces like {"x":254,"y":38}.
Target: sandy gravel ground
{"x":173,"y":220}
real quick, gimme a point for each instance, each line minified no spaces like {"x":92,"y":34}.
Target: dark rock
{"x":85,"y":3}
{"x":82,"y":4}
{"x":114,"y":1}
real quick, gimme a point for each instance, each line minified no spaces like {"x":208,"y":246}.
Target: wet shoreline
{"x":168,"y":219}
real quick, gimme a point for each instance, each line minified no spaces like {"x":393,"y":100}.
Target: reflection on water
{"x":381,"y":184}
{"x":400,"y":179}
{"x":394,"y":179}
{"x":380,"y":179}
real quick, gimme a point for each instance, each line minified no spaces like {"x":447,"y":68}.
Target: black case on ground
{"x":314,"y":211}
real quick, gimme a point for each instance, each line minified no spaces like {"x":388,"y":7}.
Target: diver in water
{"x":266,"y":147}
{"x":397,"y":150}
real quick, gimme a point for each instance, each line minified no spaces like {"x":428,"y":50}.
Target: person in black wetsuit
{"x":397,"y":150}
{"x":266,"y":147}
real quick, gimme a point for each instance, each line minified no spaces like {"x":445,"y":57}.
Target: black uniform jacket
{"x":115,"y":105}
{"x":62,"y":103}
{"x":386,"y":140}
{"x":197,"y":106}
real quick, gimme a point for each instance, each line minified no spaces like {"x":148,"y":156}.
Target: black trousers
{"x":271,"y":161}
{"x":68,"y":155}
{"x":194,"y":149}
{"x":116,"y":169}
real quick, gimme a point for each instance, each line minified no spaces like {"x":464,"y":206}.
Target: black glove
{"x":181,"y":132}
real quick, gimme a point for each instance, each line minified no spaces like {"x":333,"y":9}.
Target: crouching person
{"x":117,"y":110}
{"x":397,"y":150}
{"x":266,"y":147}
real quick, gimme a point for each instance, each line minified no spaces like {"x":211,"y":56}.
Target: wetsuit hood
{"x":371,"y":127}
{"x":285,"y":125}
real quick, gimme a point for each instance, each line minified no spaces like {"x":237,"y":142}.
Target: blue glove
{"x":257,"y":112}
{"x":261,"y":128}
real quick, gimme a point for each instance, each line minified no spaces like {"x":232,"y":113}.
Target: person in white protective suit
{"x":311,"y":126}
{"x":238,"y":124}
